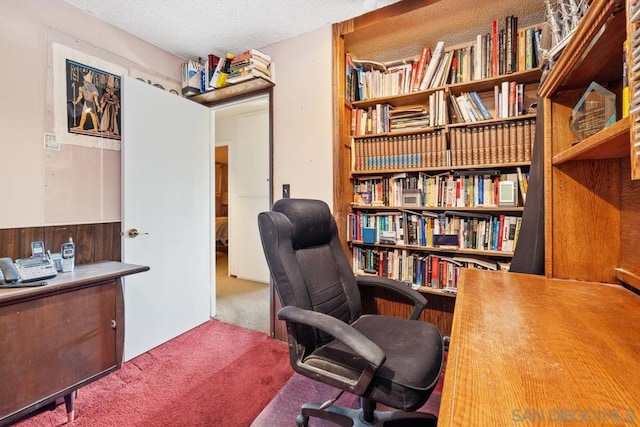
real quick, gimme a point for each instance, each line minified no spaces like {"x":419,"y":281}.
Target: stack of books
{"x":408,"y":118}
{"x":248,"y":65}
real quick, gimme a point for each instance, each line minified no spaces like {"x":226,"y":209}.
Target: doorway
{"x":242,"y":189}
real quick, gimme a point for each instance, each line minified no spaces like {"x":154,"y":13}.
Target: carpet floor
{"x":241,"y":302}
{"x":214,"y":375}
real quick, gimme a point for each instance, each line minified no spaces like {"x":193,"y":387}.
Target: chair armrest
{"x":343,"y":332}
{"x":419,"y":301}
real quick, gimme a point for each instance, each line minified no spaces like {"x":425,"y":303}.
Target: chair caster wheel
{"x":302,"y":421}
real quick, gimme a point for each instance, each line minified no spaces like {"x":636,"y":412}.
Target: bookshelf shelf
{"x":436,"y":249}
{"x":492,"y":121}
{"x":431,"y":291}
{"x":402,"y":133}
{"x":609,"y":143}
{"x":480,"y":209}
{"x":483,"y":85}
{"x":397,"y":100}
{"x":421,"y":289}
{"x":441,"y":169}
{"x":239,"y":90}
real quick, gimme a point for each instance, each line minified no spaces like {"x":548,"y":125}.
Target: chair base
{"x":349,"y":417}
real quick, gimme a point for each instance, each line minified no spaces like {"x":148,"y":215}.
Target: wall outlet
{"x":285,"y":191}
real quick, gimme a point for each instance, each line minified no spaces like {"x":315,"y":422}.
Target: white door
{"x":249,"y":189}
{"x":166,"y":156}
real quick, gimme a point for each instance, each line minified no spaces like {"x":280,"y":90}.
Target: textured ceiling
{"x":195,"y":28}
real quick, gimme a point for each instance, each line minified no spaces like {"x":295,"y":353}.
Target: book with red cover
{"x":494,"y":48}
{"x":425,"y":57}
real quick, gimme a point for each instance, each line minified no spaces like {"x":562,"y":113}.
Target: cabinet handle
{"x":113,"y":324}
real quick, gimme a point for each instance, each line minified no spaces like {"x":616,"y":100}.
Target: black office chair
{"x":388,"y":360}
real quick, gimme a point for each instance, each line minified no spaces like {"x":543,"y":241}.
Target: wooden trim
{"x":578,"y":46}
{"x":628,"y":278}
{"x":378,"y":15}
{"x":548,"y":185}
{"x":234,"y":92}
{"x":341,"y":207}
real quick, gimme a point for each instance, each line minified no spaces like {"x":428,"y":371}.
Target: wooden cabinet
{"x":592,"y":206}
{"x":367,"y":161}
{"x":60,"y":337}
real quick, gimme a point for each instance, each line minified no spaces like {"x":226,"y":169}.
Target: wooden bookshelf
{"x":234,"y":91}
{"x":592,"y":206}
{"x":366,"y":37}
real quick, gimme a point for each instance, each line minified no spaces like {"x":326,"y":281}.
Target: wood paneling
{"x":278,"y":327}
{"x":630,"y":221}
{"x":439,"y":309}
{"x":94,"y":242}
{"x":585,"y":218}
{"x":107,"y":242}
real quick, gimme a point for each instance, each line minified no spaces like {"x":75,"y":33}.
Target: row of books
{"x":465,"y":230}
{"x":496,"y":143}
{"x":372,"y":120}
{"x":504,"y":49}
{"x":467,"y":107}
{"x":509,"y":142}
{"x":508,"y":101}
{"x":201,"y":76}
{"x":401,"y":152}
{"x":416,"y":269}
{"x":448,"y":190}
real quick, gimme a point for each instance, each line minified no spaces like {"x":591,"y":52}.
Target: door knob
{"x":134,"y":233}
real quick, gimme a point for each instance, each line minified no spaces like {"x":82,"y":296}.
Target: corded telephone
{"x":26,"y":272}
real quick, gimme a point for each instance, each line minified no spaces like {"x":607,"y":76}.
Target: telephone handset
{"x":26,"y":272}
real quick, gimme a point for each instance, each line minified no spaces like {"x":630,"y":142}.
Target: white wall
{"x":303,"y":116}
{"x":27,"y":28}
{"x":302,"y":113}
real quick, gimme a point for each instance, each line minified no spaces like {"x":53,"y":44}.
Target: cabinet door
{"x":52,"y":343}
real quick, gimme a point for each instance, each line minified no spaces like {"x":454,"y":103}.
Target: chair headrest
{"x":310,"y":220}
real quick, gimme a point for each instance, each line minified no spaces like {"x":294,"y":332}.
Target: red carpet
{"x":214,"y":375}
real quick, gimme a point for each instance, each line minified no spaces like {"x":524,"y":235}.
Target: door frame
{"x":268,"y":93}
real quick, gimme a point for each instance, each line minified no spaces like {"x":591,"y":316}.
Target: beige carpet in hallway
{"x":240,"y":302}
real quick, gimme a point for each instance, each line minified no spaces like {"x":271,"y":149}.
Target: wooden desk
{"x":526,"y":350}
{"x":60,"y":337}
